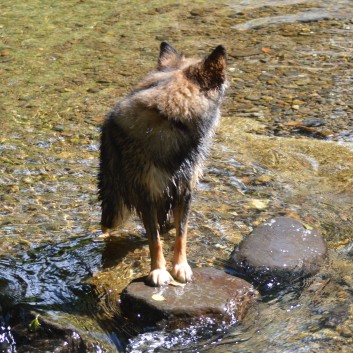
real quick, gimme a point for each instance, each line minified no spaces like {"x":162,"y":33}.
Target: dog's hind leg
{"x":159,"y":275}
{"x":181,"y":270}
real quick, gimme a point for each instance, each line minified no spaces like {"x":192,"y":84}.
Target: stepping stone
{"x":212,"y":294}
{"x":279,"y":252}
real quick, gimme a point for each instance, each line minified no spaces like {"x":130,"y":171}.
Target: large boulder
{"x":280,"y":252}
{"x":213,"y":294}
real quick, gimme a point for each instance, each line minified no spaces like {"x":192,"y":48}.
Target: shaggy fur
{"x":153,"y":146}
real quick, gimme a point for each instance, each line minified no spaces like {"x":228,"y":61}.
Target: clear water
{"x":284,"y":147}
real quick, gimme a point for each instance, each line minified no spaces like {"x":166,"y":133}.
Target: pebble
{"x":297,"y":102}
{"x":303,"y":82}
{"x":93,"y":90}
{"x":253,"y":98}
{"x":267,"y":98}
{"x":313,"y":122}
{"x":58,"y":128}
{"x":271,"y":81}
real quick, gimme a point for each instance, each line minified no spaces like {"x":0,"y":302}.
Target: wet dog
{"x":153,"y":146}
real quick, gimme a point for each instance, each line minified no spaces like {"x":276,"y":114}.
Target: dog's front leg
{"x":181,"y":270}
{"x":159,"y":275}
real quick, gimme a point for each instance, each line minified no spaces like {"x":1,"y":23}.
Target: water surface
{"x":284,"y":147}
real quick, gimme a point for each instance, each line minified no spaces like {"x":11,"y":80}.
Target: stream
{"x":284,"y":147}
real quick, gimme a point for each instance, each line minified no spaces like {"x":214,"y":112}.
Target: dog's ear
{"x":216,"y":61}
{"x":168,"y":56}
{"x":210,"y":73}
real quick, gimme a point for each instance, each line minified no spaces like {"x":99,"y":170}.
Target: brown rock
{"x":212,"y":294}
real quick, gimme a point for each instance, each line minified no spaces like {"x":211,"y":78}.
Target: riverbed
{"x":284,"y":147}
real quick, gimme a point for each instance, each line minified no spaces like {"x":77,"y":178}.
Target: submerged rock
{"x":279,"y":252}
{"x":213,"y":294}
{"x":18,"y":333}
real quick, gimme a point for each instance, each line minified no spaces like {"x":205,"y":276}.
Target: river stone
{"x":18,"y":335}
{"x":213,"y":294}
{"x":280,"y":251}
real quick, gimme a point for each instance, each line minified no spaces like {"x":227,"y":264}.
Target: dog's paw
{"x":182,"y":272}
{"x":158,"y":278}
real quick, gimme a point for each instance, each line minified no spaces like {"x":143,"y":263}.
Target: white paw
{"x":105,"y":233}
{"x":158,"y":278}
{"x":182,"y":272}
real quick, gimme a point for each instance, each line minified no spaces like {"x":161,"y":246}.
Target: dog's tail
{"x":114,"y":210}
{"x":113,"y":215}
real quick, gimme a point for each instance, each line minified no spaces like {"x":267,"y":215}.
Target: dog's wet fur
{"x":153,"y":146}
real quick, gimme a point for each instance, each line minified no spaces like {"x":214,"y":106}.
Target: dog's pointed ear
{"x":216,"y":60}
{"x":210,"y":73}
{"x":168,"y":56}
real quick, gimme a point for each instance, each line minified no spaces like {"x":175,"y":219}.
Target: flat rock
{"x":283,"y":248}
{"x":212,"y":294}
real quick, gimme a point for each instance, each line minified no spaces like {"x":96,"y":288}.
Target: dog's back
{"x":155,"y":140}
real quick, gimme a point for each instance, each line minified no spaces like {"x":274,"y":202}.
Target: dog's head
{"x":208,"y":73}
{"x":183,"y":89}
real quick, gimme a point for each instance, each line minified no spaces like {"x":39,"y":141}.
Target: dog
{"x":153,"y":146}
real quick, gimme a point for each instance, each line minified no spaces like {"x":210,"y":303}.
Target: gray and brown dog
{"x":153,"y":146}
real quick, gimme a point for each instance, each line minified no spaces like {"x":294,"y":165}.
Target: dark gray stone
{"x":282,"y":249}
{"x":212,"y":294}
{"x":19,"y":336}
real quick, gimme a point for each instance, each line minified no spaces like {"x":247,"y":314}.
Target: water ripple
{"x":51,"y":275}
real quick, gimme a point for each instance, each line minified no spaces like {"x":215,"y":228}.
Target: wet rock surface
{"x":24,"y":331}
{"x":280,"y":251}
{"x":212,"y":294}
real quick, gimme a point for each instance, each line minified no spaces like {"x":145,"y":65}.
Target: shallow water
{"x":284,"y":147}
